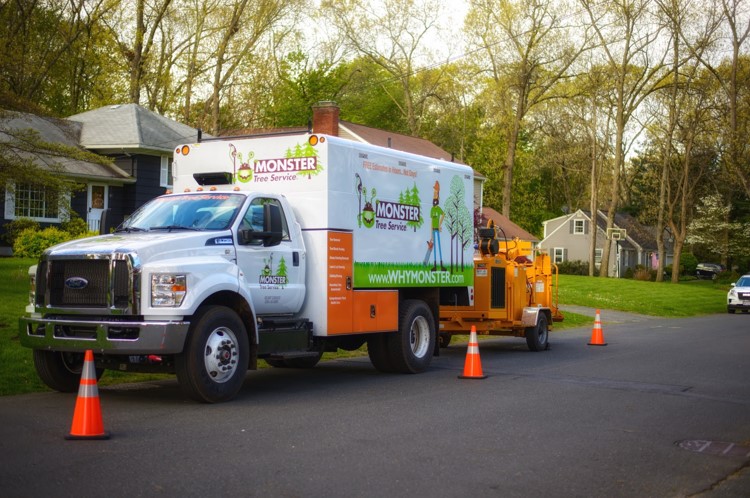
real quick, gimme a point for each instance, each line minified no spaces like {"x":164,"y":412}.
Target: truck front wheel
{"x":537,"y":337}
{"x":213,"y":366}
{"x":411,"y":348}
{"x":59,"y":370}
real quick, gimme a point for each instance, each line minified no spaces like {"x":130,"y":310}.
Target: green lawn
{"x":17,"y":374}
{"x":689,"y":298}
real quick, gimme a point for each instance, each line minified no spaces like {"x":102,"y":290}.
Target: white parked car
{"x":738,"y":297}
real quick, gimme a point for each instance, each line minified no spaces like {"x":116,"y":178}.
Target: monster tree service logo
{"x":268,"y":279}
{"x":301,"y":161}
{"x":388,"y":215}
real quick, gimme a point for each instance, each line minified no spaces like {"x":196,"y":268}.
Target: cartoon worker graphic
{"x":437,"y":215}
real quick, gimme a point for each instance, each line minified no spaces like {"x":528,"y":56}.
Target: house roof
{"x":383,"y":138}
{"x":510,"y":229}
{"x":130,"y":127}
{"x":57,"y":131}
{"x":636,"y":233}
{"x":644,"y":236}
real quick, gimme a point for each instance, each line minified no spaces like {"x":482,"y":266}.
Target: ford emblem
{"x":76,"y":283}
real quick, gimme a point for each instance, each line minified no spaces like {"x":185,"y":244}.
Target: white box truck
{"x":277,"y":248}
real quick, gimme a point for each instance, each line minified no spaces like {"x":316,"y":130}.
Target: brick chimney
{"x":326,"y":118}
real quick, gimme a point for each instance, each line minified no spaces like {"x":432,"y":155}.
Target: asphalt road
{"x":648,"y":415}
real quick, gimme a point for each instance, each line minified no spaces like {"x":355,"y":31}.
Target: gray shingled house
{"x":630,"y":243}
{"x":139,"y":142}
{"x":29,"y":201}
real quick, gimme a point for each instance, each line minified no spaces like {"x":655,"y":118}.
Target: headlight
{"x":732,"y":293}
{"x":168,"y":290}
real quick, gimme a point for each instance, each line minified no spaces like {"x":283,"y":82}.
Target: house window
{"x":33,"y":201}
{"x":579,"y":226}
{"x":559,"y":254}
{"x":598,"y":258}
{"x":165,"y":178}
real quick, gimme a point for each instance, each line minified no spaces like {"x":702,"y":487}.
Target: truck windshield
{"x":210,"y":211}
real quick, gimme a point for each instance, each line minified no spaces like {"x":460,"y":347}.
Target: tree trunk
{"x":615,"y":200}
{"x":510,"y":156}
{"x":136,"y":63}
{"x":594,"y":194}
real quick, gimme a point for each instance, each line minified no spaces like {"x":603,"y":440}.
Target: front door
{"x":97,"y":203}
{"x":275,"y":275}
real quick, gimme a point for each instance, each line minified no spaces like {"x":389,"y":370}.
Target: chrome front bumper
{"x":104,"y":337}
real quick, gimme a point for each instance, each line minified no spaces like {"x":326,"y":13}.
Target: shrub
{"x":688,"y":263}
{"x":76,"y":227}
{"x":644,"y":274}
{"x":14,"y":228}
{"x":31,"y":243}
{"x":726,"y":277}
{"x":573,"y":268}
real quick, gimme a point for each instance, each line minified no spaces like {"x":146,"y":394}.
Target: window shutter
{"x":572,"y":226}
{"x":585,"y":227}
{"x":10,"y":204}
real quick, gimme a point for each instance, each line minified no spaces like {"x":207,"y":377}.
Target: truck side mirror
{"x":272,"y":225}
{"x":272,"y":228}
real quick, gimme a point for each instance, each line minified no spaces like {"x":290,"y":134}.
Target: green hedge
{"x":31,"y":243}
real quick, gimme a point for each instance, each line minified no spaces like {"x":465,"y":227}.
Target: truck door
{"x":274,"y":275}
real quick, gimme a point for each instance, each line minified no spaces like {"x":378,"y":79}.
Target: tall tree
{"x":696,"y":134}
{"x":137,"y":45}
{"x":394,"y":35}
{"x":528,"y":49}
{"x":674,"y":14}
{"x":198,"y":16}
{"x":39,"y":42}
{"x":727,"y":20}
{"x":627,"y":34}
{"x":245,"y":25}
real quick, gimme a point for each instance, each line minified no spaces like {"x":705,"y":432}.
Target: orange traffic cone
{"x":597,"y":335}
{"x":473,"y":366}
{"x":87,"y":418}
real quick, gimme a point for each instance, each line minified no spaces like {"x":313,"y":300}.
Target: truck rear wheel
{"x":214,"y":363}
{"x":537,"y":337}
{"x":444,"y":339}
{"x":61,"y":371}
{"x":411,"y":348}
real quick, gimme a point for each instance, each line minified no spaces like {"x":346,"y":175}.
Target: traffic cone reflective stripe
{"x":473,"y":365}
{"x":87,"y":417}
{"x":597,"y":334}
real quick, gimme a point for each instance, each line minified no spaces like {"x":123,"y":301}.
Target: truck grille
{"x":84,"y":283}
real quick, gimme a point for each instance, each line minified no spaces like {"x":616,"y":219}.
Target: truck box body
{"x":366,"y":215}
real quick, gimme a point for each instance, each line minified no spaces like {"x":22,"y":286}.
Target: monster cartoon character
{"x":367,"y":214}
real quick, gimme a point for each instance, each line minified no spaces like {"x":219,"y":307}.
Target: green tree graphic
{"x":306,"y":150}
{"x":410,"y":197}
{"x":459,"y":222}
{"x":281,"y":269}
